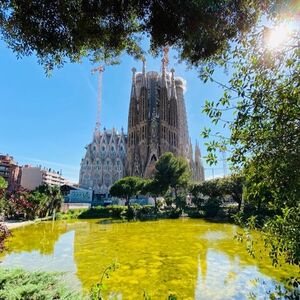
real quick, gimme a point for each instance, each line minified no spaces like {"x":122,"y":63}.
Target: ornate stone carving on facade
{"x":104,"y":161}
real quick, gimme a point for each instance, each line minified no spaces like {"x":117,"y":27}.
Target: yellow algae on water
{"x":193,"y":259}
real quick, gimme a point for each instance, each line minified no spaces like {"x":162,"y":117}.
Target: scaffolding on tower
{"x":100,"y":71}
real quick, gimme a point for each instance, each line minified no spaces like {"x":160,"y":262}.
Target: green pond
{"x":194,"y":259}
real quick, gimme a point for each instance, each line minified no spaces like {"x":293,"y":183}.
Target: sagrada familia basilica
{"x":157,"y":123}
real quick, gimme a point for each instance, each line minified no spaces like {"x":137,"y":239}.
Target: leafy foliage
{"x":172,"y":172}
{"x":154,"y":188}
{"x":29,"y":205}
{"x":51,"y":198}
{"x":126,"y":188}
{"x":233,"y":186}
{"x":282,"y":235}
{"x":57,"y":30}
{"x":3,"y":184}
{"x":207,"y":196}
{"x":264,"y":95}
{"x":18,"y":284}
{"x":98,"y":289}
{"x":4,"y":234}
{"x":114,"y":211}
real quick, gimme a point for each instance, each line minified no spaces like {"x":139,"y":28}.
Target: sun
{"x":277,"y":36}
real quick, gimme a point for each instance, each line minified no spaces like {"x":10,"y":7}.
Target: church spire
{"x":144,"y":71}
{"x":173,"y":87}
{"x":197,"y":152}
{"x":133,"y":88}
{"x":133,"y":75}
{"x":144,"y":66}
{"x":165,"y":62}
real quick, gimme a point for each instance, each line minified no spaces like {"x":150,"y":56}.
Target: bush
{"x":19,"y":284}
{"x":4,"y":234}
{"x":95,"y":213}
{"x":70,"y":214}
{"x":146,"y":212}
{"x":114,"y":211}
{"x":211,"y":207}
{"x":117,"y":211}
{"x":174,"y":214}
{"x":194,"y":213}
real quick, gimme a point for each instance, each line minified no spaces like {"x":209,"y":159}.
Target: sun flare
{"x":278,"y":36}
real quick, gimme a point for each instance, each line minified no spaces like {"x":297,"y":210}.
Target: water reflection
{"x":192,"y":258}
{"x":227,"y":279}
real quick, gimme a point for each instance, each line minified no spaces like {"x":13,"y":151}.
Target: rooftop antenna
{"x":100,"y":71}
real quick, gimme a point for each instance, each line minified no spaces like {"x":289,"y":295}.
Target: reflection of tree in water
{"x":40,"y":237}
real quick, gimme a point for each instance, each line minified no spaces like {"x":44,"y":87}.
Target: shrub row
{"x":146,"y":212}
{"x":114,"y":211}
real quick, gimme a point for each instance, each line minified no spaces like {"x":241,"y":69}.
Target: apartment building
{"x":10,"y":171}
{"x":32,"y":177}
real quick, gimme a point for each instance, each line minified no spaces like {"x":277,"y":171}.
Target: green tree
{"x":40,"y":202}
{"x":264,"y":94}
{"x":126,"y":188}
{"x":3,"y":184}
{"x":50,"y":199}
{"x":3,"y":187}
{"x":154,"y":188}
{"x":207,"y":196}
{"x":60,"y":30}
{"x":233,"y":186}
{"x":172,"y":172}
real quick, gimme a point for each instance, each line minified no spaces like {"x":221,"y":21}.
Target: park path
{"x":16,"y":224}
{"x":12,"y":224}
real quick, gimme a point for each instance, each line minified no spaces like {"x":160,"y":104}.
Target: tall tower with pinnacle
{"x":198,"y":169}
{"x":157,"y":121}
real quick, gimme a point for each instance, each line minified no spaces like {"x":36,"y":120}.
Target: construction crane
{"x":100,"y":71}
{"x":224,"y":159}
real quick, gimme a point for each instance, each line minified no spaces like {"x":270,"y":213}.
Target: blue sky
{"x":49,"y":121}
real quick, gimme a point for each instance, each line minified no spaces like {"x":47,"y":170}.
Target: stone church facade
{"x":157,"y":123}
{"x":104,"y":161}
